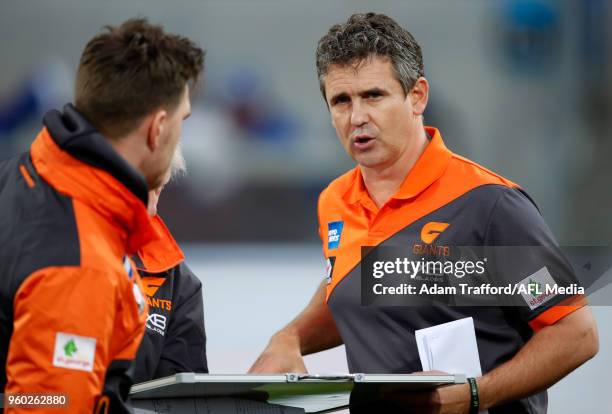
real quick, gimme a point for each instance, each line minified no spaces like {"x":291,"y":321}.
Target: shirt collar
{"x":73,"y":134}
{"x":429,"y":167}
{"x":162,"y":253}
{"x":94,"y":187}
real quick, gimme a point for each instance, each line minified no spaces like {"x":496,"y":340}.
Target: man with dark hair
{"x":408,"y":189}
{"x":175,"y":338}
{"x":74,"y":208}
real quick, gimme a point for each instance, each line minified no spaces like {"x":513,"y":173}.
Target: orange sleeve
{"x":63,"y":325}
{"x":552,"y":315}
{"x":321,"y":229}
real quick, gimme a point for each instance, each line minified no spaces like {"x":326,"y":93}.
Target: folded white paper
{"x":450,"y":347}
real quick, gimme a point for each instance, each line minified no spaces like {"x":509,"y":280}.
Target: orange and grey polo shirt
{"x":451,"y":201}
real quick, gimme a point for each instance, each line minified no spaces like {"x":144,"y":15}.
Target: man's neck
{"x":383,"y":182}
{"x":130,"y":148}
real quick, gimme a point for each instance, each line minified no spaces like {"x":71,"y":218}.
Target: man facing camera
{"x":175,"y":339}
{"x":74,"y":208}
{"x":407,"y":189}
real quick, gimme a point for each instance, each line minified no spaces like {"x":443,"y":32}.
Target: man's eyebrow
{"x":373,"y":90}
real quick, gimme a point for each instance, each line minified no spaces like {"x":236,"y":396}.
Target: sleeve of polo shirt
{"x":522,"y":251}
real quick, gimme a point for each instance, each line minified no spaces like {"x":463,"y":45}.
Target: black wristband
{"x":474,"y":401}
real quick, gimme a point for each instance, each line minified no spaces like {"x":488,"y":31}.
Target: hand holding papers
{"x":450,"y":347}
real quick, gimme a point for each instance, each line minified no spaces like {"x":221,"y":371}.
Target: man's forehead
{"x":362,"y":62}
{"x":365,"y":73}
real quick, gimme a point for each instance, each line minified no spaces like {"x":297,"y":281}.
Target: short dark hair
{"x":365,"y":35}
{"x":129,"y":70}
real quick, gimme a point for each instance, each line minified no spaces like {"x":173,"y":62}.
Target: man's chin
{"x":366,"y":161}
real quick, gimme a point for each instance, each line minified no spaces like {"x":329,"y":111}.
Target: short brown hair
{"x":365,"y":35}
{"x":128,"y":71}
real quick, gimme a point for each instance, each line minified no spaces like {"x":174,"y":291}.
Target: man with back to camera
{"x":175,"y":338}
{"x":73,"y":208}
{"x":371,"y":75}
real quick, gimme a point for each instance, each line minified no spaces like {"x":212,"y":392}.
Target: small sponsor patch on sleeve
{"x":74,"y":351}
{"x":538,"y":288}
{"x":334,"y":232}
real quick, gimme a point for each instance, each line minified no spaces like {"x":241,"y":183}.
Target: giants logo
{"x":432,"y":230}
{"x":159,"y":303}
{"x":429,"y":233}
{"x":150,"y":286}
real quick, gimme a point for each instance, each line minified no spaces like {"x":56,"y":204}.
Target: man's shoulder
{"x":462,"y":168}
{"x":185,"y":277}
{"x":339,"y":186}
{"x":486,"y":188}
{"x":39,"y":224}
{"x":179,"y":281}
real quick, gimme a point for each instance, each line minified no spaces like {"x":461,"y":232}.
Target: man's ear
{"x":156,"y":128}
{"x":419,"y":95}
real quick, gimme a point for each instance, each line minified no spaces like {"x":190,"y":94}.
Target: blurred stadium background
{"x":523,"y":87}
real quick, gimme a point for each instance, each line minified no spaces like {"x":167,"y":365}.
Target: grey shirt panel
{"x":381,"y":339}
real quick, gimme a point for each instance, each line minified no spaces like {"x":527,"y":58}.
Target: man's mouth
{"x":363,"y":142}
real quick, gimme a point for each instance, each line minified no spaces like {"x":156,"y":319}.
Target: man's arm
{"x":313,"y":330}
{"x":61,"y":343}
{"x":552,"y":353}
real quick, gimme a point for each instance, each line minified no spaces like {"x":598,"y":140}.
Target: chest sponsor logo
{"x":74,"y":352}
{"x":329,"y":268}
{"x":334,"y":232}
{"x":432,"y":230}
{"x":157,"y":323}
{"x":537,"y":289}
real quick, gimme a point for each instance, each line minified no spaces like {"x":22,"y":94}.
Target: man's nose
{"x":359,"y":115}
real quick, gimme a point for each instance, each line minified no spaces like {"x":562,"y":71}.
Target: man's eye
{"x":371,"y":95}
{"x":341,"y":100}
